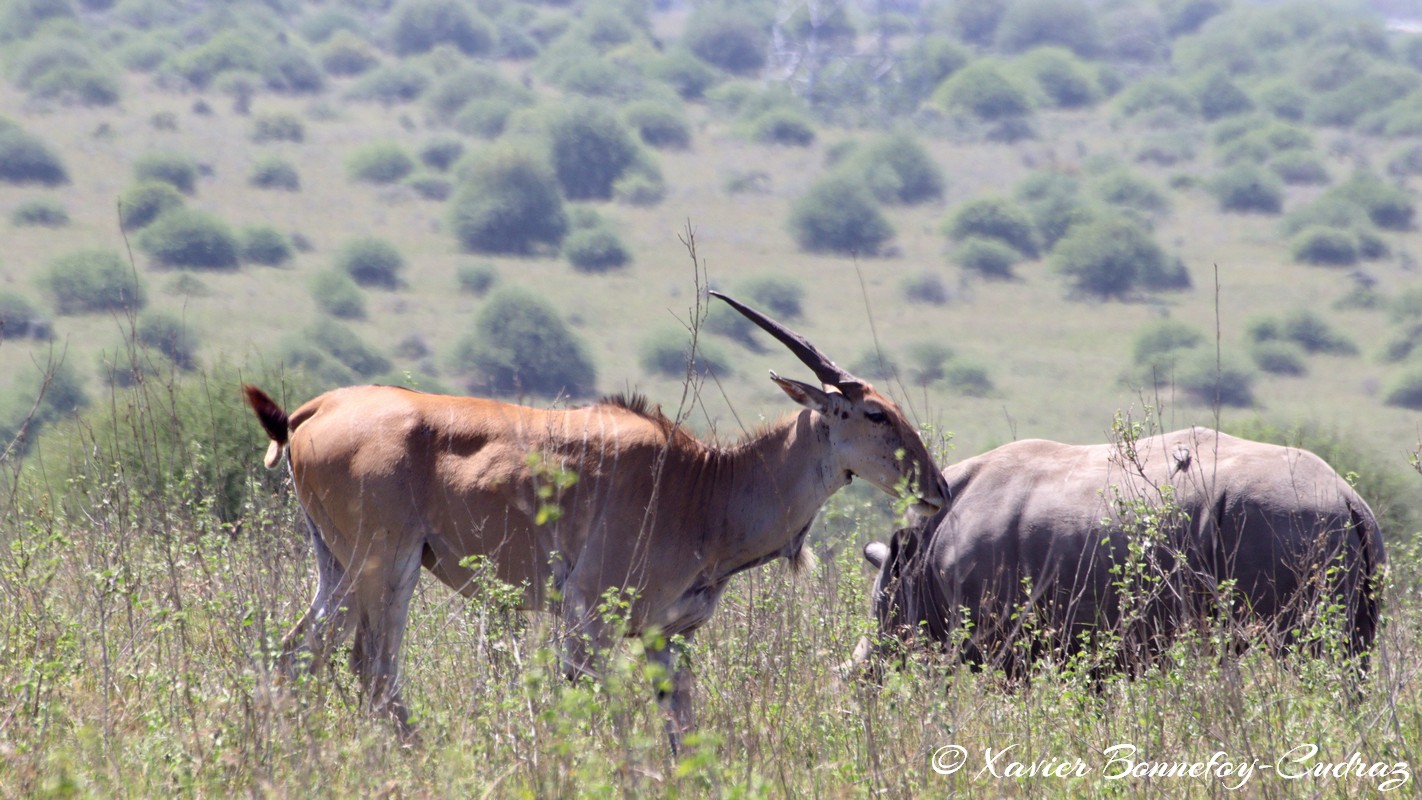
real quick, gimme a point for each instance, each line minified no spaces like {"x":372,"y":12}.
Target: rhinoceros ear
{"x":876,"y":553}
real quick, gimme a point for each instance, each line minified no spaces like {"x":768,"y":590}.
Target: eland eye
{"x":875,"y":415}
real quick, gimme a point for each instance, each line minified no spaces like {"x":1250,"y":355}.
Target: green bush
{"x":441,"y":153}
{"x":508,"y":203}
{"x":1299,"y":168}
{"x":391,"y":84}
{"x":590,"y":150}
{"x":1405,"y":389}
{"x":278,"y":127}
{"x":45,"y":212}
{"x":337,"y":294}
{"x":139,"y":205}
{"x":897,"y":169}
{"x":839,"y":215}
{"x":1313,"y":333}
{"x":1325,"y":246}
{"x":169,"y":335}
{"x":1389,"y":207}
{"x":1329,"y":210}
{"x":994,"y":218}
{"x":174,"y":169}
{"x":925,"y":287}
{"x":1107,"y":257}
{"x":346,"y":54}
{"x":988,"y":258}
{"x":1153,"y":94}
{"x":1053,"y":200}
{"x":664,"y":353}
{"x":783,"y":126}
{"x":928,"y":62}
{"x":1036,"y":23}
{"x":928,"y":362}
{"x":264,"y":244}
{"x":641,"y":185}
{"x":92,"y":280}
{"x":19,"y":319}
{"x":595,"y":250}
{"x":371,"y":261}
{"x":1208,"y":380}
{"x":343,"y":344}
{"x":727,"y":38}
{"x":1218,"y":96}
{"x":680,"y":69}
{"x":1124,"y":188}
{"x":875,"y":365}
{"x":1284,"y":99}
{"x":984,"y":90}
{"x":272,"y":172}
{"x":323,"y":24}
{"x":658,"y":124}
{"x":977,"y":22}
{"x":430,"y":187}
{"x":1248,"y":188}
{"x":27,"y":159}
{"x":477,"y":279}
{"x":1158,"y":345}
{"x":379,"y":162}
{"x":473,"y":83}
{"x":187,"y":238}
{"x":781,"y":297}
{"x":520,"y":345}
{"x":419,"y":25}
{"x":1061,"y":76}
{"x":1278,"y":357}
{"x":967,"y":378}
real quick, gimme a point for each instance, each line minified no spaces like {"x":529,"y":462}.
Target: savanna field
{"x":1019,"y":218}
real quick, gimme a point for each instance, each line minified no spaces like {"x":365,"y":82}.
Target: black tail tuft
{"x":273,"y":419}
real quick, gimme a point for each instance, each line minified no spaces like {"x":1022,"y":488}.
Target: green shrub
{"x":1158,"y":344}
{"x":273,"y":172}
{"x":664,"y":353}
{"x":1107,"y":257}
{"x":343,"y":344}
{"x":371,"y":261}
{"x":928,"y":62}
{"x":19,"y":319}
{"x":641,"y":185}
{"x":430,"y":187}
{"x":1121,"y":187}
{"x":1283,"y":99}
{"x":92,"y":280}
{"x":1218,"y":96}
{"x":727,"y":38}
{"x":1208,"y":380}
{"x":1313,"y":333}
{"x":658,"y":124}
{"x":1330,"y":210}
{"x":595,"y":250}
{"x":1053,"y":200}
{"x":520,"y":345}
{"x":1389,"y":207}
{"x":346,"y":54}
{"x":1278,"y":357}
{"x":187,"y":238}
{"x":477,"y":279}
{"x":45,"y":212}
{"x":441,"y":153}
{"x":925,"y":287}
{"x":139,"y":205}
{"x":169,"y":335}
{"x":508,"y":203}
{"x":928,"y":362}
{"x":781,"y":297}
{"x":994,"y":218}
{"x":264,"y":244}
{"x":27,"y":159}
{"x":77,"y":86}
{"x":680,"y":69}
{"x":1325,"y":246}
{"x":278,"y":127}
{"x":1405,"y":389}
{"x":473,"y":83}
{"x":590,"y":150}
{"x":1062,"y":77}
{"x":323,"y":24}
{"x":337,"y":294}
{"x":875,"y":365}
{"x":897,"y":169}
{"x":1248,"y":188}
{"x":1153,"y":94}
{"x":1300,"y":168}
{"x":839,"y":215}
{"x":419,"y":25}
{"x":1036,"y":23}
{"x":391,"y":84}
{"x":978,"y":22}
{"x":983,"y":89}
{"x":379,"y":162}
{"x":988,"y":258}
{"x":967,"y":378}
{"x":174,"y":169}
{"x":783,"y":126}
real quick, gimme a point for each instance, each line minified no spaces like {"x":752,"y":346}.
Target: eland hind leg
{"x":380,"y":607}
{"x":326,"y":622}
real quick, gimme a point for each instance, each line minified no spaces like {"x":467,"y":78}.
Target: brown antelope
{"x":390,"y":479}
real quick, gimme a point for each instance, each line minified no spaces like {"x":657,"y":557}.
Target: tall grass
{"x":138,"y":627}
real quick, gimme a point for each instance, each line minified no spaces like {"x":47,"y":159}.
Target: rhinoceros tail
{"x":1370,"y":549}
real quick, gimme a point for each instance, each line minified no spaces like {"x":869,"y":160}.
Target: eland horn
{"x":829,"y":373}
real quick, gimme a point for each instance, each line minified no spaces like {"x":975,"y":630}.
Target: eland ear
{"x":811,"y":397}
{"x":876,"y":553}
